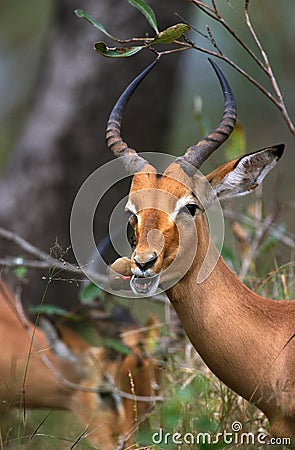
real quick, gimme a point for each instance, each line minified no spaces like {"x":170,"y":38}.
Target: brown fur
{"x":40,"y":387}
{"x":246,"y":340}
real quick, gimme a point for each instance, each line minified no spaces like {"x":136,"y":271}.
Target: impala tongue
{"x":144,"y":285}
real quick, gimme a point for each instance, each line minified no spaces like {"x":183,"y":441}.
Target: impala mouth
{"x":145,"y":285}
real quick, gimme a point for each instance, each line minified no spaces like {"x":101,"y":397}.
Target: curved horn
{"x":197,"y":154}
{"x":131,"y":160}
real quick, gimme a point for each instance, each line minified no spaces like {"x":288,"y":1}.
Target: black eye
{"x":191,"y":208}
{"x":130,"y":231}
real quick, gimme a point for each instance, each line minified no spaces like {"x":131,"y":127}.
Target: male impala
{"x":246,"y":340}
{"x":56,"y":369}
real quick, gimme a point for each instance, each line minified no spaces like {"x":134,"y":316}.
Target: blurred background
{"x":56,"y":93}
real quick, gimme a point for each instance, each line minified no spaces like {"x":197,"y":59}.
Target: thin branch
{"x":264,"y":65}
{"x":287,"y":239}
{"x":106,"y":388}
{"x":44,"y":260}
{"x":260,"y":232}
{"x":212,"y":40}
{"x":261,"y":283}
{"x":48,"y":262}
{"x":217,"y":17}
{"x":141,"y":329}
{"x":269,"y":70}
{"x":174,"y":50}
{"x":13,"y":263}
{"x":23,"y":244}
{"x":225,"y":58}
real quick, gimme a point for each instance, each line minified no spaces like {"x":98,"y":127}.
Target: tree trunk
{"x":64,"y":139}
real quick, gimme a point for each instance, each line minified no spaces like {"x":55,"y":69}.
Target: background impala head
{"x":167,"y":229}
{"x":52,"y":367}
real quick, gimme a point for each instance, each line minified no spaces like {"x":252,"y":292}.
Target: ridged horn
{"x":131,"y":160}
{"x":197,"y":154}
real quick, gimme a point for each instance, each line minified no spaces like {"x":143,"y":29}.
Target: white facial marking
{"x":181,"y":203}
{"x":131,"y":207}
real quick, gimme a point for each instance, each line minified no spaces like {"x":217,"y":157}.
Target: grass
{"x":42,"y":429}
{"x":197,"y":405}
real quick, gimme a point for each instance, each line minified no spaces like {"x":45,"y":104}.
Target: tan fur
{"x":246,"y":340}
{"x":218,"y":174}
{"x":40,"y":387}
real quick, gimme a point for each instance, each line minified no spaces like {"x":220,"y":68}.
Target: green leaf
{"x":116,"y":52}
{"x":90,"y":292}
{"x":83,"y":15}
{"x":147,"y":11}
{"x":20,"y":271}
{"x":118,"y":346}
{"x":50,"y":310}
{"x":236,"y":146}
{"x":172,"y":33}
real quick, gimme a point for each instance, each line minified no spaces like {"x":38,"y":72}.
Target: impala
{"x":245,"y":339}
{"x":45,"y":367}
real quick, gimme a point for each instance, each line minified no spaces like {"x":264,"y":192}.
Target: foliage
{"x":147,"y":11}
{"x":117,"y":346}
{"x":196,"y":401}
{"x":176,"y":37}
{"x":90,"y":292}
{"x":168,"y":36}
{"x":21,"y":270}
{"x":50,"y":310}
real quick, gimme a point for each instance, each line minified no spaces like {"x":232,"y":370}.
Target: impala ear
{"x":243,"y":175}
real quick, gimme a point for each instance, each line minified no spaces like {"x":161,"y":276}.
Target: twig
{"x":225,"y":58}
{"x":48,"y":262}
{"x":44,"y":260}
{"x":269,"y":71}
{"x":287,"y":238}
{"x":217,"y":17}
{"x":212,"y":40}
{"x":106,"y":388}
{"x":22,"y":243}
{"x":33,"y":264}
{"x":264,"y":65}
{"x":260,"y":232}
{"x":174,"y":50}
{"x":141,"y":329}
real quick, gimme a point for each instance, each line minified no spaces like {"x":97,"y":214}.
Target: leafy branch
{"x":175,"y":36}
{"x":168,"y":36}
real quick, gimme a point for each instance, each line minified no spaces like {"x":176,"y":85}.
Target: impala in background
{"x":48,"y":367}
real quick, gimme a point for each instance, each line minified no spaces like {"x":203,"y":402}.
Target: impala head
{"x":167,"y":229}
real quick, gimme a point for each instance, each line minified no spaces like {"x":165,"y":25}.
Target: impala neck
{"x":225,"y":322}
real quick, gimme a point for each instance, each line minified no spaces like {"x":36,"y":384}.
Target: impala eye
{"x":191,"y":208}
{"x":130,"y":231}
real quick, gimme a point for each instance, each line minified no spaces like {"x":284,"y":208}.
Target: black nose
{"x":145,"y":263}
